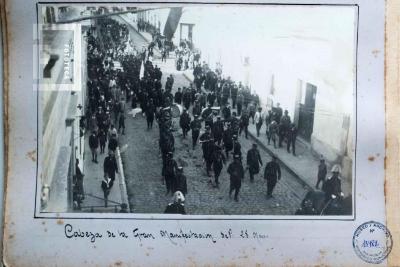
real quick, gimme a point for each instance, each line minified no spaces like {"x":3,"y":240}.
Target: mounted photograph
{"x":196,"y":110}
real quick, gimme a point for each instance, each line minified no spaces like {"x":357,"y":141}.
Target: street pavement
{"x":146,"y":191}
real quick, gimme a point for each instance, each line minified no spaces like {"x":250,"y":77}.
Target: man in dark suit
{"x":272,"y":174}
{"x":236,"y":172}
{"x":184,"y":122}
{"x":178,"y":96}
{"x":180,"y":181}
{"x":94,"y":144}
{"x":253,"y":161}
{"x":291,"y":136}
{"x":169,"y":172}
{"x":218,"y":161}
{"x":110,"y":166}
{"x":195,"y":125}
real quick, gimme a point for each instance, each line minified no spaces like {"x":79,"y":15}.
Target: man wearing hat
{"x":180,"y":181}
{"x":322,"y":171}
{"x":186,"y":98}
{"x":217,"y":130}
{"x":113,"y":143}
{"x":177,"y":207}
{"x":237,"y":148}
{"x":169,"y":172}
{"x":333,"y":186}
{"x":228,"y":140}
{"x":291,"y":138}
{"x":207,"y":145}
{"x":110,"y":166}
{"x":284,"y":127}
{"x":196,"y":108}
{"x":218,"y":160}
{"x":244,"y":123}
{"x":94,"y":144}
{"x":178,"y":96}
{"x":235,"y":123}
{"x":253,"y":161}
{"x":272,"y":174}
{"x":236,"y":172}
{"x":226,"y":112}
{"x":184,"y":122}
{"x":195,"y":125}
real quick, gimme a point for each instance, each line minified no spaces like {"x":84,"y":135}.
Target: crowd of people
{"x":215,"y":109}
{"x":186,"y":57}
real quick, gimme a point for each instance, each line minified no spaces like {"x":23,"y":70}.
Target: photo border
{"x":168,"y":217}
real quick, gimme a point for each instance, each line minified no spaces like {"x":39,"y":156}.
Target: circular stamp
{"x":372,"y":242}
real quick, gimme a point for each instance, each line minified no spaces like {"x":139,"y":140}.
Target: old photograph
{"x":196,"y":109}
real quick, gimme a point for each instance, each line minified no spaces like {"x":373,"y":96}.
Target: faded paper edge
{"x":5,"y":84}
{"x":392,"y":107}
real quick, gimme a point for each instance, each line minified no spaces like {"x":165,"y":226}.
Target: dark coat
{"x":170,"y":168}
{"x":322,"y":171}
{"x":237,"y":149}
{"x":254,"y":160}
{"x":178,"y":97}
{"x":195,"y":125}
{"x":218,"y":160}
{"x":217,"y":129}
{"x":227,"y":138}
{"x":332,"y":186}
{"x":110,"y":166}
{"x":93,"y":141}
{"x":102,"y":137}
{"x":175,"y":208}
{"x":181,"y":183}
{"x":236,"y":172}
{"x":184,"y":121}
{"x":112,"y":144}
{"x":106,"y":186}
{"x":207,"y":145}
{"x":272,"y":171}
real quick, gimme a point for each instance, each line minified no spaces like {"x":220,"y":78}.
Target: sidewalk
{"x":94,"y":196}
{"x":304,"y":165}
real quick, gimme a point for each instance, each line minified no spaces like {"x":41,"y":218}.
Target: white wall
{"x":315,"y":44}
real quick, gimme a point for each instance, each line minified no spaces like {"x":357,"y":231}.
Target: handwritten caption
{"x":174,"y":237}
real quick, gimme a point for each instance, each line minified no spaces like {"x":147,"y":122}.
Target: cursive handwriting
{"x":174,"y":237}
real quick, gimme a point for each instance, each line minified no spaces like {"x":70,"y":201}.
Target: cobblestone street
{"x":146,"y":191}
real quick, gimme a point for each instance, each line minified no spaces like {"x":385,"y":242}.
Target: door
{"x":306,"y":112}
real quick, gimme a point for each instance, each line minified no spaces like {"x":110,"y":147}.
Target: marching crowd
{"x":215,"y":109}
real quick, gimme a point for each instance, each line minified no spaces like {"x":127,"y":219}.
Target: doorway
{"x":306,"y":112}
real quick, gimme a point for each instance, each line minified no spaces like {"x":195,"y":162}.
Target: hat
{"x":234,"y":136}
{"x":178,"y":197}
{"x":336,"y":168}
{"x":169,"y":153}
{"x":254,"y":145}
{"x":274,"y":157}
{"x":236,"y":156}
{"x":180,"y":168}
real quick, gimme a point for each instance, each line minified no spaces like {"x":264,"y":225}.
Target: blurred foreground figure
{"x":177,"y":207}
